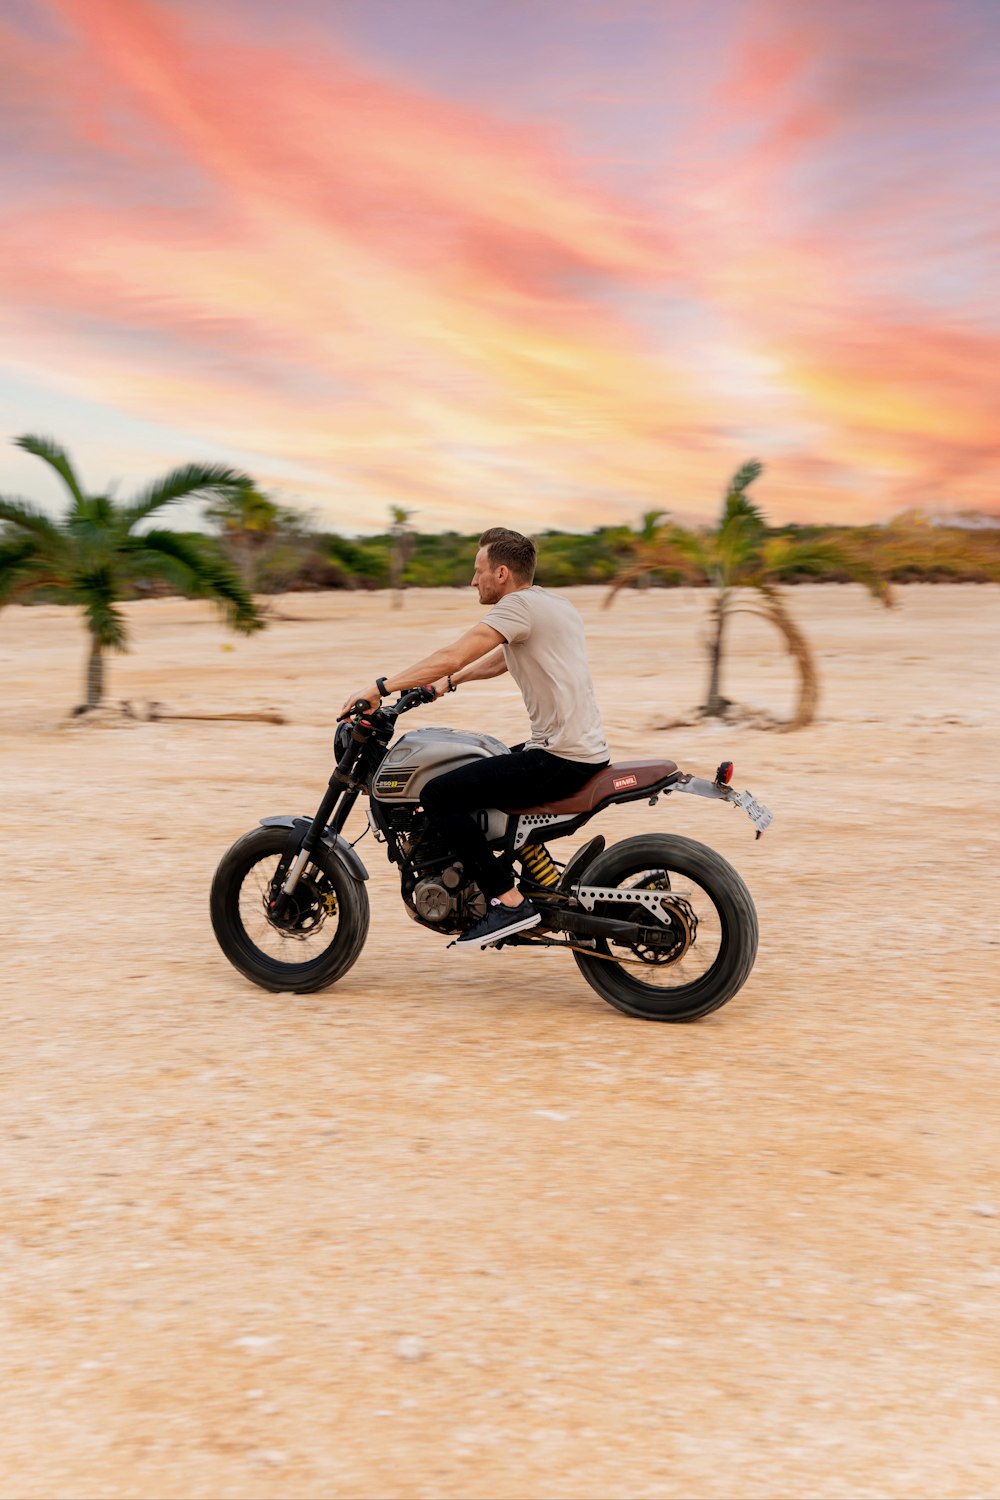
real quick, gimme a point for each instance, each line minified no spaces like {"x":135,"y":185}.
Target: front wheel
{"x":709,"y":943}
{"x":320,"y":936}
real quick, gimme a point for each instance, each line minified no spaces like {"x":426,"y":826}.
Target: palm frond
{"x":188,"y":481}
{"x":681,"y":551}
{"x":745,"y":476}
{"x":27,"y":517}
{"x":650,"y":524}
{"x":246,"y":510}
{"x":22,"y":567}
{"x":738,"y":512}
{"x":48,"y":449}
{"x":741,"y":528}
{"x":784,"y":557}
{"x":199,"y":568}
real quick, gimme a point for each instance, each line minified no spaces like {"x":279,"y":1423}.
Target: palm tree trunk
{"x":95,"y":676}
{"x":716,"y":705}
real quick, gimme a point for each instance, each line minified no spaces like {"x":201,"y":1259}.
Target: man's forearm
{"x":493,"y":665}
{"x":438,"y":664}
{"x":482,"y":640}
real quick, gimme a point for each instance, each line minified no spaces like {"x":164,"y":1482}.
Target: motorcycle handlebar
{"x":410,"y":699}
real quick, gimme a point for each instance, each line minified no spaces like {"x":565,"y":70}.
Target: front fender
{"x":347,"y":855}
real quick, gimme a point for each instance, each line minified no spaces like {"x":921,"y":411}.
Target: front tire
{"x":332,"y":913}
{"x":725,"y":920}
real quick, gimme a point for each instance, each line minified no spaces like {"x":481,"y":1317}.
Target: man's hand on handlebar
{"x":369,"y":700}
{"x":369,"y":695}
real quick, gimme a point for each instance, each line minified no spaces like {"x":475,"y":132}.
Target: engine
{"x":434,"y":886}
{"x":446,"y":900}
{"x":435,"y":889}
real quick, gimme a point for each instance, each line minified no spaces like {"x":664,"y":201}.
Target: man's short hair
{"x":509,"y":549}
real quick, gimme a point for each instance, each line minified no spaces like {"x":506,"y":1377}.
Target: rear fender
{"x":759,"y":815}
{"x":298,"y":827}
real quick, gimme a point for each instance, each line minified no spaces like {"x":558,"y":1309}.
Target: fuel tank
{"x":422,"y":754}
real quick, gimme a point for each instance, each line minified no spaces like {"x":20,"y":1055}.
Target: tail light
{"x":724,"y":774}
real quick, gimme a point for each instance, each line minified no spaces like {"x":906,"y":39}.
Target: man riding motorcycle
{"x":538,"y":637}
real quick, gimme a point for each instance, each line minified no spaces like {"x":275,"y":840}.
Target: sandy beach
{"x":458,"y":1228}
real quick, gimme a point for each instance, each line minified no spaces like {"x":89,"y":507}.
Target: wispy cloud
{"x":379,"y":294}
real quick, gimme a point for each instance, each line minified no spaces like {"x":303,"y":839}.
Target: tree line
{"x":101,"y":552}
{"x":294,"y":556}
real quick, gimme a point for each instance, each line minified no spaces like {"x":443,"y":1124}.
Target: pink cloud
{"x":401,"y":293}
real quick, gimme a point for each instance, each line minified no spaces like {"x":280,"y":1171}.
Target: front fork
{"x":342,"y":788}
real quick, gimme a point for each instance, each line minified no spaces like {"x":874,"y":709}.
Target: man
{"x":537,"y":637}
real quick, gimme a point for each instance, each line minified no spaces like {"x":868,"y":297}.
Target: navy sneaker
{"x":499,"y":922}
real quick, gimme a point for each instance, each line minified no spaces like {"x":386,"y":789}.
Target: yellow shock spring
{"x":539,"y":864}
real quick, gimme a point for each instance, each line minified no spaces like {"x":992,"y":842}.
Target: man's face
{"x":485,"y":581}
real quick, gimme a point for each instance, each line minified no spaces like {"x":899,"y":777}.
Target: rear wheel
{"x":705,"y":932}
{"x":320,"y":936}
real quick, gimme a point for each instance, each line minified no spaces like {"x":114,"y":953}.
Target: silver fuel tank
{"x":422,"y":754}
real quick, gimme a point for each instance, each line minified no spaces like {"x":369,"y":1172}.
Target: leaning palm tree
{"x":745,"y":567}
{"x":99,"y":546}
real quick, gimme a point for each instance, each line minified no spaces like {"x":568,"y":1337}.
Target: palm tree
{"x":739,"y":560}
{"x":402,"y":547}
{"x":258,"y":535}
{"x":248,"y":521}
{"x":98,"y":547}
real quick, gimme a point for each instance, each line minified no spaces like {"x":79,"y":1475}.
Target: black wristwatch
{"x":383,"y":691}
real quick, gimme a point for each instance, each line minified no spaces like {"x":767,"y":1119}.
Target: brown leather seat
{"x":627,"y":776}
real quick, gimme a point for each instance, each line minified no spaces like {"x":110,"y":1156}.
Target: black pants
{"x":524,"y":778}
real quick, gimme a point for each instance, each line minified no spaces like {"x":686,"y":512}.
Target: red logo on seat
{"x":620,"y":782}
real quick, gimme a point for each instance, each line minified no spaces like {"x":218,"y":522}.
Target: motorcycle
{"x":659,"y":925}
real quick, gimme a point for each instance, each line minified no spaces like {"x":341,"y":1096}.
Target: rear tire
{"x":264,"y":847}
{"x":733,"y":908}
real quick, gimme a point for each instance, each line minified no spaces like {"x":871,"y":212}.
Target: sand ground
{"x":757,"y":1256}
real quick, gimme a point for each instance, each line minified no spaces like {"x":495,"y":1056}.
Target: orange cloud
{"x":377,"y":293}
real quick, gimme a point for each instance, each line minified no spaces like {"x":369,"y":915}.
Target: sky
{"x":525,"y":262}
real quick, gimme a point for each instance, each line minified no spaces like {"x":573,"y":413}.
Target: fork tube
{"x":339,"y":786}
{"x":344,"y":810}
{"x":313,"y":834}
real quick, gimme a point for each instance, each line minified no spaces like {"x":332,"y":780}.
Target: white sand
{"x":462,"y":1229}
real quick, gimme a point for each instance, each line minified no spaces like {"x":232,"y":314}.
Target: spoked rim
{"x":694,"y":925}
{"x":311,"y":927}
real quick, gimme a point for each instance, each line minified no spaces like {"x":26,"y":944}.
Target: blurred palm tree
{"x":745,"y":567}
{"x":257,"y":534}
{"x":248,"y":520}
{"x":647,"y":541}
{"x":97,"y":548}
{"x":402,"y":549}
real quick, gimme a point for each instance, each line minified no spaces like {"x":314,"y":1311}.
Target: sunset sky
{"x":540,"y":262}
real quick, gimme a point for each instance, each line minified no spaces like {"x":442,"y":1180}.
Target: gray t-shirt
{"x":546,"y":654}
